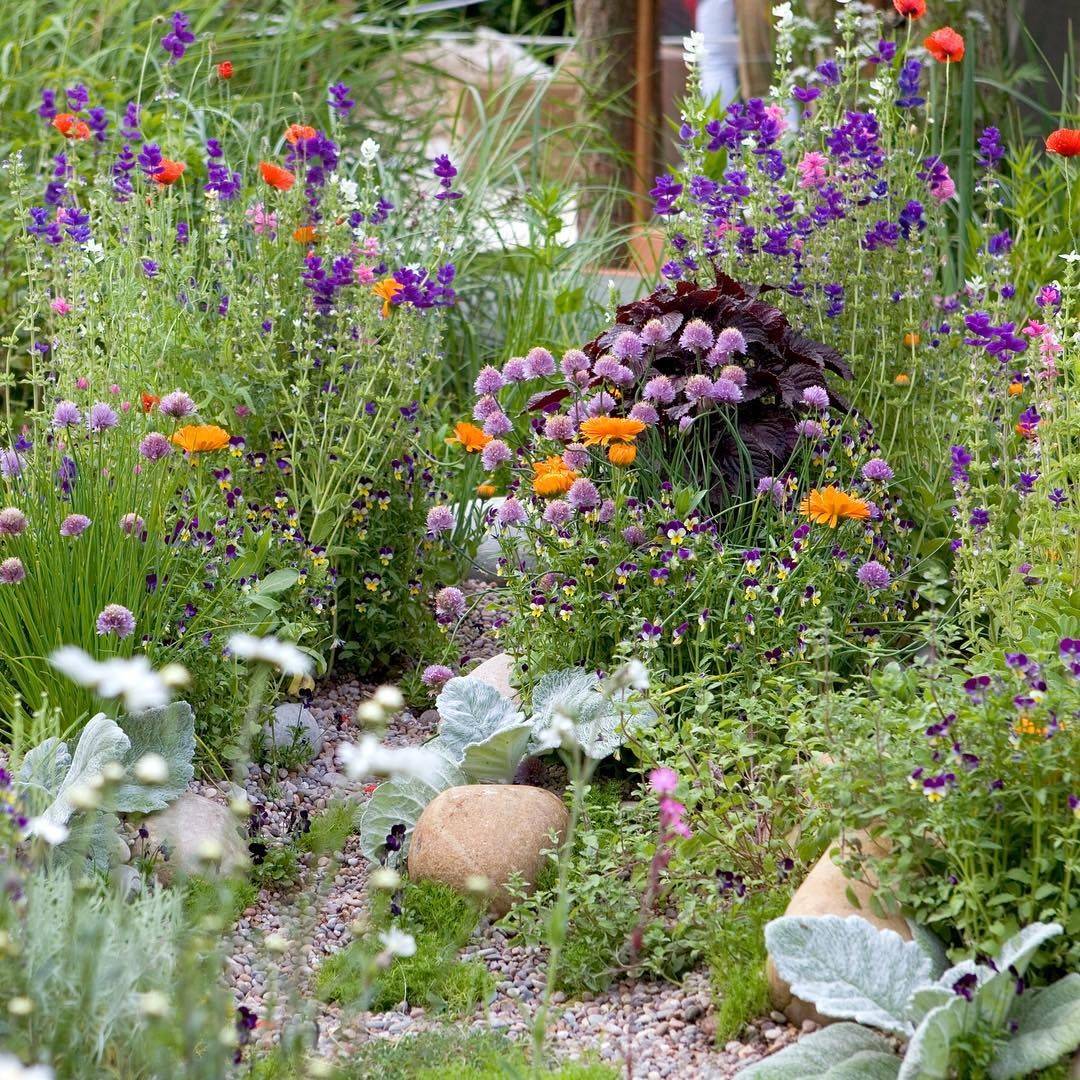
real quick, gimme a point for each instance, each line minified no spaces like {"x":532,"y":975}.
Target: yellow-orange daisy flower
{"x":604,"y":430}
{"x":622,"y":453}
{"x":902,"y":379}
{"x":474,"y":439}
{"x":830,"y":505}
{"x":552,"y":477}
{"x":386,"y":290}
{"x":486,"y":491}
{"x":201,"y":438}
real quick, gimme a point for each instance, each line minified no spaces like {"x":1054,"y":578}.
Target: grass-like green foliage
{"x":330,"y":829}
{"x":205,"y":899}
{"x":475,"y":1056}
{"x":736,"y":957}
{"x":441,"y":921}
{"x":280,"y":868}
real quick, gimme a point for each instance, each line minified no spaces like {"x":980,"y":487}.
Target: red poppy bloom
{"x":168,"y":172}
{"x":910,"y":9}
{"x":946,"y":46}
{"x":1064,"y":141}
{"x":70,"y":126}
{"x":149,"y":401}
{"x":294,"y":133}
{"x":276,"y":176}
{"x":225,"y":69}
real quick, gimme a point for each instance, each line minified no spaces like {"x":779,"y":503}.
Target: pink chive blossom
{"x":817,"y":397}
{"x":635,"y":535}
{"x":66,"y":414}
{"x":600,"y":404}
{"x":177,"y":405}
{"x":606,"y":512}
{"x":115,"y":619}
{"x":511,"y":513}
{"x":725,"y":392}
{"x":644,"y":412}
{"x":11,"y":464}
{"x":558,"y":512}
{"x":101,"y":418}
{"x":697,"y":387}
{"x":449,"y":604}
{"x":260,"y":220}
{"x":12,"y":521}
{"x":697,"y":335}
{"x":74,"y":525}
{"x":440,"y":519}
{"x":809,"y":429}
{"x":489,"y":380}
{"x":132,"y":524}
{"x":125,"y":406}
{"x":498,"y":423}
{"x":515,"y":370}
{"x":575,"y":457}
{"x":242,"y":411}
{"x":539,"y":363}
{"x":734,"y":373}
{"x":731,"y":341}
{"x":114,"y":388}
{"x":82,"y":383}
{"x":660,"y":389}
{"x":813,"y":170}
{"x":12,"y":571}
{"x":873,"y":575}
{"x":877,"y":469}
{"x":60,"y":305}
{"x":654,"y":332}
{"x":559,"y":427}
{"x":769,"y":485}
{"x":609,"y":368}
{"x":495,"y":454}
{"x":663,"y":781}
{"x":583,"y":495}
{"x":436,"y":676}
{"x":573,"y":361}
{"x":484,"y":407}
{"x":627,"y":346}
{"x":155,"y":446}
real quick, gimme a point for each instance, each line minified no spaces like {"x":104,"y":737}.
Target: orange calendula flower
{"x":902,"y":379}
{"x":1065,"y":142}
{"x":622,"y":454}
{"x":911,"y":339}
{"x":1026,"y":726}
{"x":71,"y":127}
{"x":946,"y":46}
{"x":306,"y":234}
{"x":1016,"y":389}
{"x":474,"y":439}
{"x":830,"y":505}
{"x":295,"y":133}
{"x":168,"y":172}
{"x":552,"y":477}
{"x":605,"y":430}
{"x":386,"y":290}
{"x":201,"y":438}
{"x":276,"y":176}
{"x":486,"y":491}
{"x":149,"y":402}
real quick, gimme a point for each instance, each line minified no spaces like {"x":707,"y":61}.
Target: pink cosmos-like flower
{"x":74,"y":525}
{"x":440,"y":519}
{"x":813,"y":170}
{"x":12,"y":521}
{"x":12,"y":571}
{"x":115,"y":619}
{"x":663,"y":780}
{"x":60,"y":305}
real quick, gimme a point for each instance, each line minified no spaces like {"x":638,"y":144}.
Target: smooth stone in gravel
{"x":184,"y":828}
{"x":494,"y":830}
{"x":825,"y":892}
{"x":495,"y":672}
{"x":485,"y":563}
{"x":293,"y":725}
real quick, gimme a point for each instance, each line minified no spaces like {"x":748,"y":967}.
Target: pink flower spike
{"x":663,"y":780}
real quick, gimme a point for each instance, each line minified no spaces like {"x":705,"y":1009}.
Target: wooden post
{"x":647,"y":71}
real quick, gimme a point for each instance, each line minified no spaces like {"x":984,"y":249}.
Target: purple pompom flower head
{"x":495,"y":454}
{"x":436,"y":676}
{"x":11,"y":464}
{"x":559,"y":427}
{"x":653,"y":332}
{"x":877,"y":469}
{"x":726,"y":392}
{"x":539,"y":363}
{"x":440,"y":519}
{"x":66,"y":414}
{"x":661,"y":389}
{"x":731,"y":341}
{"x":155,"y":446}
{"x":449,"y":604}
{"x":132,"y":525}
{"x":558,"y":512}
{"x":74,"y":525}
{"x":627,"y":346}
{"x":697,"y":335}
{"x":12,"y":521}
{"x":489,"y":381}
{"x":817,"y":397}
{"x":101,"y":418}
{"x":511,"y":513}
{"x":515,"y":370}
{"x":177,"y":405}
{"x":115,"y":619}
{"x":874,"y":575}
{"x":12,"y":571}
{"x":583,"y":495}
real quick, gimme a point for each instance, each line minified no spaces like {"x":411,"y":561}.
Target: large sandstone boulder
{"x":495,"y":671}
{"x":189,"y":831}
{"x":825,"y":892}
{"x":490,"y":830}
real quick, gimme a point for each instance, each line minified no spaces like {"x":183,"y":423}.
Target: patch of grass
{"x":330,"y":829}
{"x":737,"y":961}
{"x":213,"y":898}
{"x":441,"y":921}
{"x":279,"y":868}
{"x":428,"y":1056}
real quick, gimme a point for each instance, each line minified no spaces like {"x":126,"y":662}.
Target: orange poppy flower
{"x":276,"y":176}
{"x":70,"y":126}
{"x":552,"y":477}
{"x":1026,"y":726}
{"x":911,"y":339}
{"x":201,"y":438}
{"x":1064,"y":141}
{"x":386,"y":290}
{"x":225,"y":70}
{"x":830,"y":505}
{"x":306,"y":234}
{"x":910,"y":9}
{"x":149,"y":401}
{"x":294,"y":133}
{"x":622,"y":454}
{"x":604,"y":430}
{"x":474,"y":439}
{"x":486,"y":491}
{"x":902,"y":379}
{"x":946,"y":46}
{"x":168,"y":172}
{"x":1016,"y":389}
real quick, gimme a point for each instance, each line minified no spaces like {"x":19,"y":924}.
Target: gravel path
{"x":649,"y":1029}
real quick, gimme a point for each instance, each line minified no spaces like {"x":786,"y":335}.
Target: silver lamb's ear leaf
{"x":1020,"y":948}
{"x":469,"y":712}
{"x":401,"y":802}
{"x":100,"y":743}
{"x":869,"y":1065}
{"x":496,"y":759}
{"x":44,"y":769}
{"x":927,"y":1053}
{"x":848,"y":968}
{"x":930,"y":944}
{"x":819,"y":1054}
{"x":1047,"y":1028}
{"x":926,"y":998}
{"x":996,"y":994}
{"x":170,"y":732}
